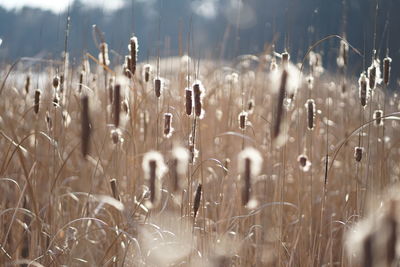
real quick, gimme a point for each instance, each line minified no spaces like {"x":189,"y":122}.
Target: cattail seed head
{"x":363,"y":89}
{"x":37,"y":101}
{"x":180,"y":160}
{"x":56,"y":82}
{"x":250,"y":163}
{"x":343,"y":54}
{"x":154,"y":169}
{"x":80,"y":81}
{"x":250,"y":106}
{"x":242,"y":120}
{"x":377,"y":116}
{"x":146,"y":72}
{"x":304,"y":163}
{"x":387,"y":61}
{"x":114,"y":189}
{"x":196,"y":202}
{"x":374,"y":74}
{"x":285,"y":59}
{"x":158,"y":86}
{"x":358,"y":152}
{"x":117,"y":104}
{"x":198,"y":94}
{"x":103,"y":55}
{"x":189,"y":101}
{"x":279,"y":110}
{"x":310,"y":106}
{"x":127,"y":65}
{"x":168,"y":130}
{"x":133,"y":48}
{"x":27,"y":83}
{"x":49,"y":121}
{"x":85,"y":126}
{"x":116,"y":136}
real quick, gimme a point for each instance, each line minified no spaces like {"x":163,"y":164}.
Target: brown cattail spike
{"x":152,"y":169}
{"x":168,"y":130}
{"x":27,"y":83}
{"x":85,"y":126}
{"x":117,"y":104}
{"x":80,"y":82}
{"x":310,"y":105}
{"x":363,"y":89}
{"x":133,"y":47}
{"x":56,"y":82}
{"x":198,"y":93}
{"x":378,"y":121}
{"x":189,"y":101}
{"x":114,"y":189}
{"x":387,"y":61}
{"x":242,"y":120}
{"x":285,"y":59}
{"x":247,"y":182}
{"x":146,"y":72}
{"x":158,"y":87}
{"x":196,"y":203}
{"x":37,"y":101}
{"x":358,"y":152}
{"x":279,"y":110}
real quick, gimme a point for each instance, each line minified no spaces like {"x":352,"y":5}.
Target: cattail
{"x":85,"y":126}
{"x":111,"y":91}
{"x":377,"y":116}
{"x":250,"y":106}
{"x":114,"y":189}
{"x":358,"y":152}
{"x":27,"y":83}
{"x":133,"y":48}
{"x":56,"y":82}
{"x":127,"y":66}
{"x":343,"y":54}
{"x":189,"y":101}
{"x":103,"y":55}
{"x":146,"y":72}
{"x":56,"y":100}
{"x":310,"y":106}
{"x":279,"y":111}
{"x":154,"y":169}
{"x":61,"y":83}
{"x":285,"y":59}
{"x":387,"y":61}
{"x":168,"y":130}
{"x":242,"y":120}
{"x":198,"y":92}
{"x":117,"y":104}
{"x":304,"y":163}
{"x":37,"y":101}
{"x":80,"y":82}
{"x":158,"y":86}
{"x":180,"y":161}
{"x":116,"y":136}
{"x":49,"y":121}
{"x":196,"y":202}
{"x":250,"y":162}
{"x":363,"y":89}
{"x":372,"y":76}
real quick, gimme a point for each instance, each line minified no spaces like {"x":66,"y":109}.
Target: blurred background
{"x":220,"y":29}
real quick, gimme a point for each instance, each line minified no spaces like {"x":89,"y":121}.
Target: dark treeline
{"x":291,"y":24}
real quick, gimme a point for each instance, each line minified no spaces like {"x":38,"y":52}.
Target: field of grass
{"x":258,"y":161}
